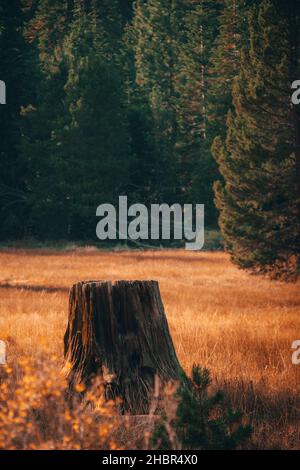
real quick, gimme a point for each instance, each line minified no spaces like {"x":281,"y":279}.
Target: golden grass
{"x":239,"y":326}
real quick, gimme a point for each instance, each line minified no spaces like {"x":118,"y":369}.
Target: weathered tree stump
{"x":119,"y":330}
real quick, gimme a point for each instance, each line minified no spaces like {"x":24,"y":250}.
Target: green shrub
{"x":201,"y":420}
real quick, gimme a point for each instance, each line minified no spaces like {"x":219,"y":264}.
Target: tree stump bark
{"x":119,"y":332}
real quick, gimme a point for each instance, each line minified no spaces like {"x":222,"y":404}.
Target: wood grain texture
{"x":119,"y":331}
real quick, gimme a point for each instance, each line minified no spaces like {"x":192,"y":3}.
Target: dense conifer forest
{"x":160,"y":100}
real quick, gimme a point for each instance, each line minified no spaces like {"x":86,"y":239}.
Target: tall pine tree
{"x":172,"y":42}
{"x":197,"y":169}
{"x":258,"y":201}
{"x":78,"y":147}
{"x":16,"y":62}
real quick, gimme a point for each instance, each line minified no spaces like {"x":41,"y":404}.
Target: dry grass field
{"x":239,"y":326}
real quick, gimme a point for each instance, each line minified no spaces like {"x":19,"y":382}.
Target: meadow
{"x":238,"y":325}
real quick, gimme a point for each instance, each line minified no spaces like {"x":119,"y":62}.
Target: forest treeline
{"x":160,"y":100}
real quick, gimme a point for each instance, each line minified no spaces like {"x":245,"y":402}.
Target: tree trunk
{"x":119,"y":332}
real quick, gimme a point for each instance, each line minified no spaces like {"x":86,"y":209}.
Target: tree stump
{"x":119,"y":332}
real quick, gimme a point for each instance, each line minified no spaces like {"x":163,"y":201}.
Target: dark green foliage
{"x":155,"y":31}
{"x":15,"y":60}
{"x":130,"y":97}
{"x":171,"y":42}
{"x":225,"y":63}
{"x":197,"y":170}
{"x":258,"y":201}
{"x":202,"y":421}
{"x":78,"y":148}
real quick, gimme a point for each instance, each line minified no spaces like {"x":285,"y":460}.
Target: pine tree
{"x":157,"y":31}
{"x":172,"y":42}
{"x":77,"y":147}
{"x":224,"y":63}
{"x":16,"y":62}
{"x":258,"y":201}
{"x":202,"y":420}
{"x":96,"y":140}
{"x":197,"y":169}
{"x":46,"y":32}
